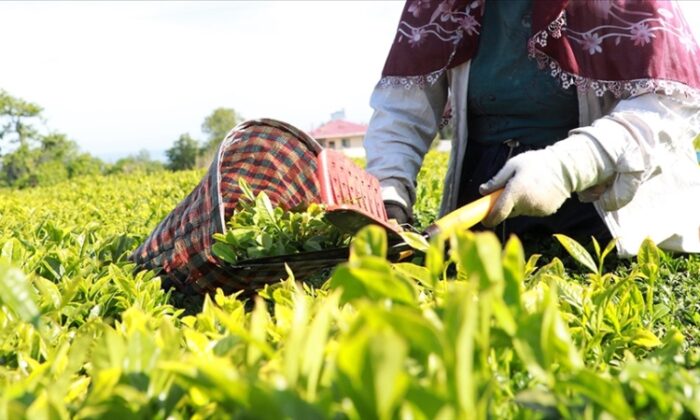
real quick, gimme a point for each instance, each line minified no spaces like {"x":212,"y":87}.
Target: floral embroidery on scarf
{"x":638,"y":26}
{"x":446,"y":23}
{"x":625,"y":47}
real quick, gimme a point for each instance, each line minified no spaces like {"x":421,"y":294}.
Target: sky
{"x":119,"y":77}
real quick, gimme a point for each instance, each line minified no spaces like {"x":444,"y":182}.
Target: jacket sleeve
{"x":403,"y":125}
{"x":634,"y":135}
{"x":653,"y":192}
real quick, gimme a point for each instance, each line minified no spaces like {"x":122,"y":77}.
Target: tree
{"x":54,"y":159}
{"x":217,"y":125}
{"x":37,"y":159}
{"x":51,"y":160}
{"x":46,"y":173}
{"x":17,"y":166}
{"x":183,"y":154}
{"x":14,"y":113}
{"x":57,"y":146}
{"x":139,"y":163}
{"x":85,"y":164}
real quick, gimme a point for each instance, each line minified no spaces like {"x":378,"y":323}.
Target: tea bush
{"x":483,"y":330}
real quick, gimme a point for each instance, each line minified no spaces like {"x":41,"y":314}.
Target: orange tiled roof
{"x":338,"y":128}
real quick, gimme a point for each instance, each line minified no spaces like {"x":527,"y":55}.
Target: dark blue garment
{"x":509,"y":97}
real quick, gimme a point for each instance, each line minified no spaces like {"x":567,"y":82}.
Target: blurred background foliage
{"x":31,"y":154}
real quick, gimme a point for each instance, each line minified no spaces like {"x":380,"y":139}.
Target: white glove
{"x":536,"y":183}
{"x":393,"y":191}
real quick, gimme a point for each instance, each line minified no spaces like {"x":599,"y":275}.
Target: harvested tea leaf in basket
{"x":258,"y":229}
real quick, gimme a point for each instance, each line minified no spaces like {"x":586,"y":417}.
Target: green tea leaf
{"x":648,"y":253}
{"x":258,"y":229}
{"x":480,"y":255}
{"x":608,"y":249}
{"x":415,"y":272}
{"x":49,"y":292}
{"x":605,"y":392}
{"x":372,"y":278}
{"x":531,"y":264}
{"x":415,"y":240}
{"x":435,"y":261}
{"x":513,"y":273}
{"x":224,"y":252}
{"x":645,"y":338}
{"x":371,"y":372}
{"x":17,"y":294}
{"x":409,"y":324}
{"x":265,"y":208}
{"x":578,"y":252}
{"x":259,"y":321}
{"x":245,"y":188}
{"x":369,"y":241}
{"x":13,"y":251}
{"x":316,"y":345}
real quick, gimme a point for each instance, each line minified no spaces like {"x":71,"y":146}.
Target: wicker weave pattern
{"x":271,"y":156}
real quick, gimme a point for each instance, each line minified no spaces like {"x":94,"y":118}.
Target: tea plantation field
{"x":487,"y":330}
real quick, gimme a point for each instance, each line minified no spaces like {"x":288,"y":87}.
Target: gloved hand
{"x":397,"y":211}
{"x":536,"y":183}
{"x":397,"y":201}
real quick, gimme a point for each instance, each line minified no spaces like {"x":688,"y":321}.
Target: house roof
{"x":338,"y":128}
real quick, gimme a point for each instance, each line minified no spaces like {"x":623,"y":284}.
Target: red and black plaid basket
{"x":271,"y":156}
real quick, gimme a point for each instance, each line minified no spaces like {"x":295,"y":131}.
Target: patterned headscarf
{"x":627,"y":47}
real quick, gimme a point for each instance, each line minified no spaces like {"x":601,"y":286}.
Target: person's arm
{"x":404,"y":124}
{"x":605,"y":161}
